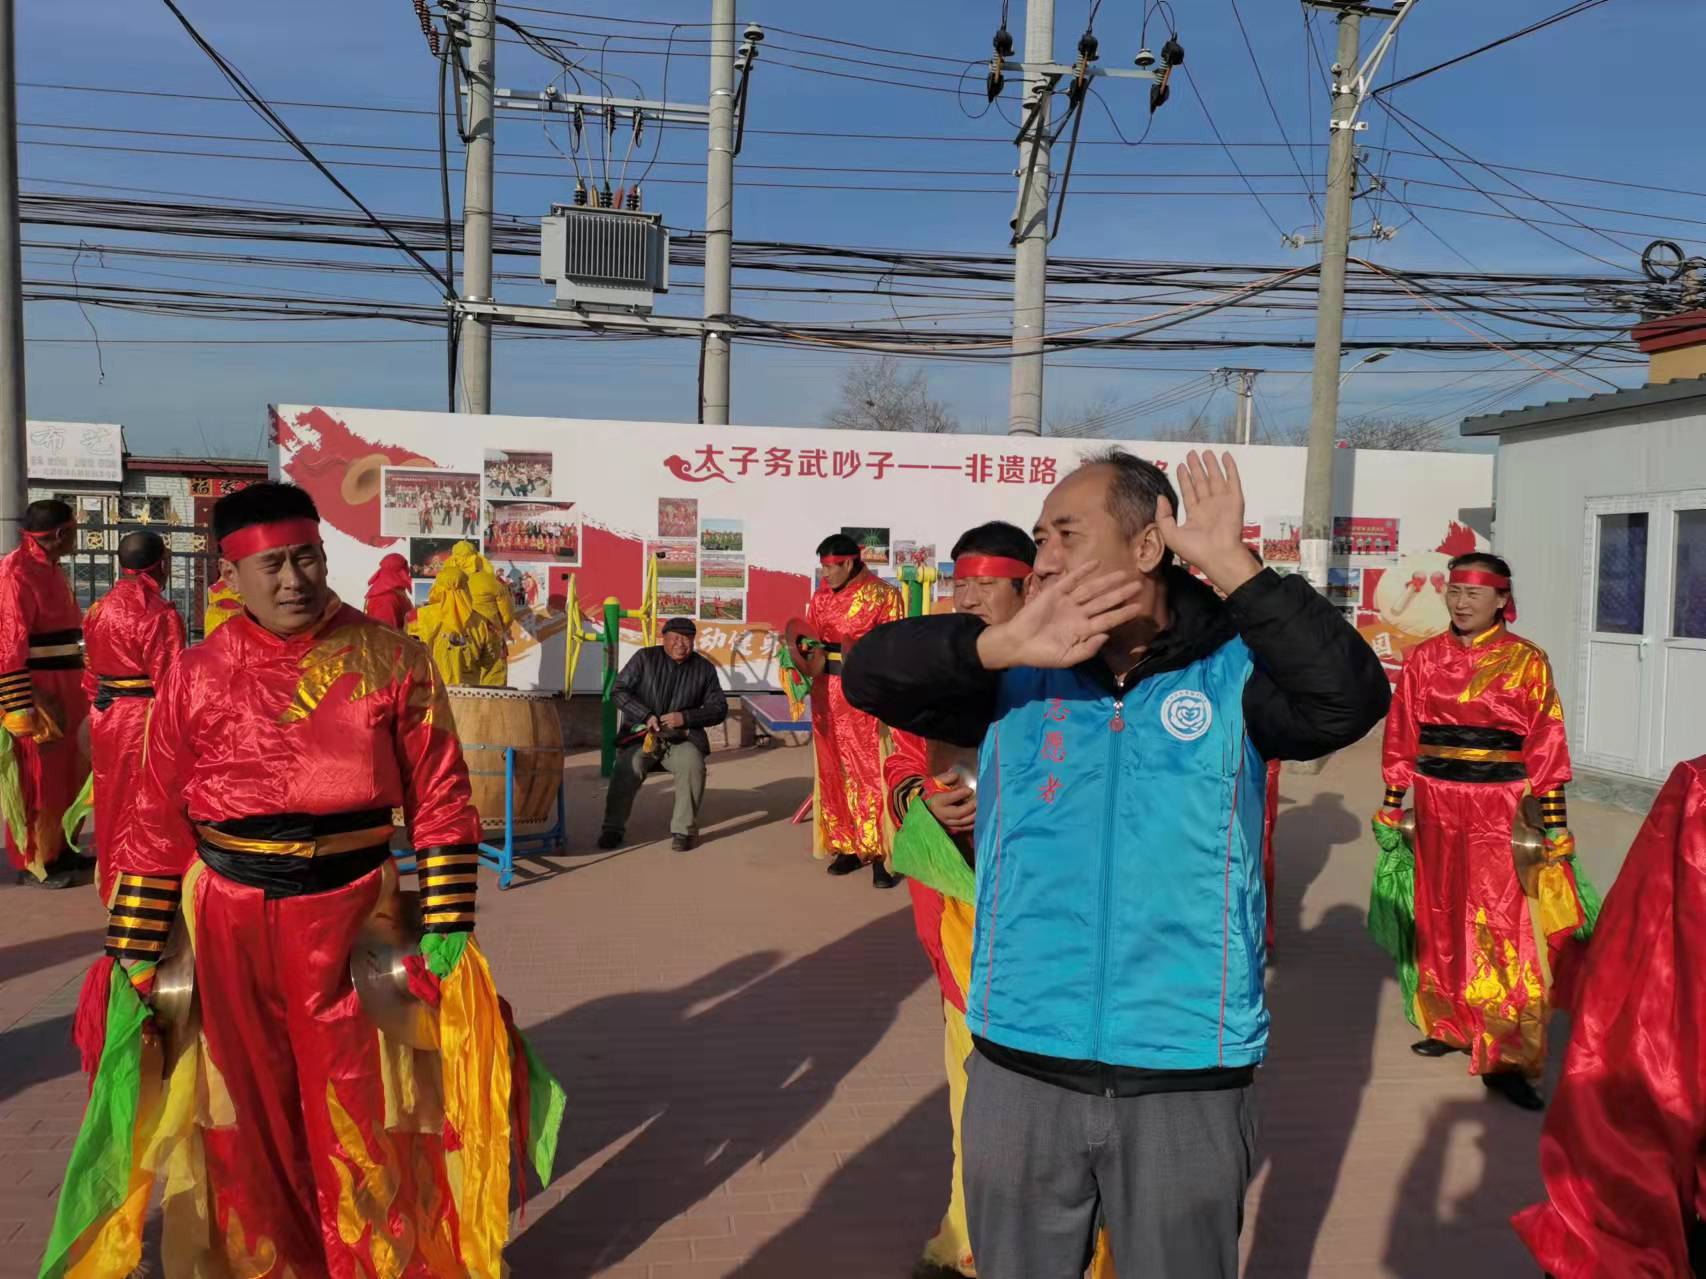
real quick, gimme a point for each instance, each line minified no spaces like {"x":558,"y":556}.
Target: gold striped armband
{"x":449,"y":877}
{"x":1394,"y":797}
{"x":1552,"y":811}
{"x":16,"y":693}
{"x":143,"y":910}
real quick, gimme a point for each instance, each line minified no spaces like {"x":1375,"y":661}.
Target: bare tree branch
{"x":876,"y":396}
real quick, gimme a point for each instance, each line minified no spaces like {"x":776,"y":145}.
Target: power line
{"x":1202,"y":102}
{"x":1261,"y":80}
{"x":1571,"y":11}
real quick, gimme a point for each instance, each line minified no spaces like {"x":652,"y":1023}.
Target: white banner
{"x":91,"y":452}
{"x":734,"y":513}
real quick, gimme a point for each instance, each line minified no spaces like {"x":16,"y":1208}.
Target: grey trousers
{"x":682,"y":761}
{"x":1166,"y":1172}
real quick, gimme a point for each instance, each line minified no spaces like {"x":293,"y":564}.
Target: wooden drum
{"x":488,"y":720}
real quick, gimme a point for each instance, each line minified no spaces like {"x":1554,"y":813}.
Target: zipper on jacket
{"x":1116,"y":727}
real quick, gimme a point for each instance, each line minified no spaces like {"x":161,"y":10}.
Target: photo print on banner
{"x":678,"y":517}
{"x":722,"y":572}
{"x":916,"y":554}
{"x":429,"y":554}
{"x":716,"y":605}
{"x":549,"y":531}
{"x":678,"y":560}
{"x":873,"y":544}
{"x":727,"y":536}
{"x":416,"y":502}
{"x":510,"y":473}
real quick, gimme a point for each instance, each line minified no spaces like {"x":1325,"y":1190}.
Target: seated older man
{"x":669,"y":695}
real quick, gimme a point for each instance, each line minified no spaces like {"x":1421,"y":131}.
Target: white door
{"x":1643,"y":700}
{"x":1679,"y":680}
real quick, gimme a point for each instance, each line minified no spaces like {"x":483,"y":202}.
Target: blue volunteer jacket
{"x":1120,"y":905}
{"x":1119,"y":835}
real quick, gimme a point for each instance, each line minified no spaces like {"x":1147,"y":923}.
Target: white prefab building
{"x":1600,"y":507}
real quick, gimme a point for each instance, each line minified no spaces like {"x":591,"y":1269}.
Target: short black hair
{"x":1135,"y":490}
{"x":838,"y":544}
{"x":261,"y":504}
{"x":1481,"y":559}
{"x":997,"y":537}
{"x":46,"y":515}
{"x":141,"y":549}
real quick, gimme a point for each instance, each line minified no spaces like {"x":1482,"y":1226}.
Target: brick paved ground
{"x":752,"y":1053}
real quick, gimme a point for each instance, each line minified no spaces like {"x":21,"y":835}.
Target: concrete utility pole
{"x":475,"y":340}
{"x":719,"y":213}
{"x":14,"y":471}
{"x":1030,"y":226}
{"x":1246,"y":404}
{"x":1315,"y":541}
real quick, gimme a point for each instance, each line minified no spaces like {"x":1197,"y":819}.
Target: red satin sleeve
{"x":163,"y":645}
{"x":90,"y":684}
{"x":1621,"y":1151}
{"x":159,"y":840}
{"x":1545,"y":752}
{"x":1398,"y":751}
{"x":15,"y":610}
{"x":437,"y":803}
{"x":903,"y":771}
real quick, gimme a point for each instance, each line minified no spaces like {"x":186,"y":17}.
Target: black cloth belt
{"x":1470,"y":770}
{"x":283,"y":826}
{"x":294,"y":876}
{"x":279,"y":876}
{"x":1469,"y":737}
{"x":108,"y":688}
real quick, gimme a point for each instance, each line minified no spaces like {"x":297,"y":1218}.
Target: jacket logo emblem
{"x":1187,"y":714}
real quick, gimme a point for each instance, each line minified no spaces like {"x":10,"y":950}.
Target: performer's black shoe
{"x":609,"y":839}
{"x":1432,"y":1048}
{"x":681,"y":843}
{"x":844,"y":864}
{"x":70,"y":859}
{"x":881,"y":876}
{"x":1515,"y":1089}
{"x":60,"y":877}
{"x":933,"y":1270}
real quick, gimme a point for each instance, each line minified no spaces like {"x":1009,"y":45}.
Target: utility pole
{"x":1246,"y":404}
{"x":14,"y":470}
{"x":1316,"y":535}
{"x":475,"y":339}
{"x":719,"y":215}
{"x":1351,"y":86}
{"x":1030,"y":225}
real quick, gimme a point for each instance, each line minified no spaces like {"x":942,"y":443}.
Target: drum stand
{"x":501,"y":857}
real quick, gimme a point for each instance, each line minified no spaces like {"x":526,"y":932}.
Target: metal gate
{"x":93,"y":567}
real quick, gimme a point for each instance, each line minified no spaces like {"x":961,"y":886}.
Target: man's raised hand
{"x":1212,"y":534}
{"x":1066,"y":622}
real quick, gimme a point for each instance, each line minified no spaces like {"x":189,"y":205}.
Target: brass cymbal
{"x":376,"y":967}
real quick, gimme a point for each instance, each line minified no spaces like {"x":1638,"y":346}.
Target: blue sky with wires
{"x":882,"y":141}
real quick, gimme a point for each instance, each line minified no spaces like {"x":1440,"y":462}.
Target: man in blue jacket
{"x":1124,"y":718}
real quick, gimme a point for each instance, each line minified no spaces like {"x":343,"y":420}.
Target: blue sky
{"x":1597,"y":95}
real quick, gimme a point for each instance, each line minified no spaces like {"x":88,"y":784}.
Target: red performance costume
{"x":295,"y":1136}
{"x":1472,"y":727}
{"x":391,"y":592}
{"x":1622,"y":1150}
{"x":42,"y":698}
{"x":847,"y":807}
{"x":131,"y":637}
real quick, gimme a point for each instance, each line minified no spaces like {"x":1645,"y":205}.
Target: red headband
{"x":49,"y":532}
{"x":1480,"y":577}
{"x":990,"y":566}
{"x":267,"y":537}
{"x":827,"y":560}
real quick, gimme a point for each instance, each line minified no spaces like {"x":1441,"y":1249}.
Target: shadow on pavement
{"x":1324,"y":990}
{"x":701,"y":1081}
{"x":31,"y":956}
{"x":34,"y":1054}
{"x":874,"y":1216}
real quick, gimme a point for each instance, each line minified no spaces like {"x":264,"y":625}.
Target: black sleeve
{"x":627,"y":689}
{"x":922,"y":675}
{"x":713,"y":706}
{"x":1318,"y":686}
